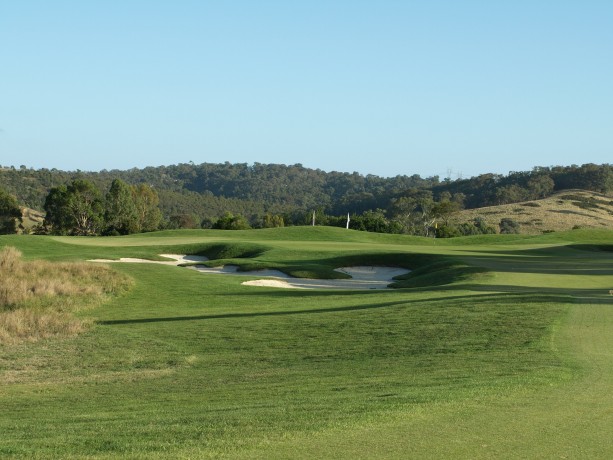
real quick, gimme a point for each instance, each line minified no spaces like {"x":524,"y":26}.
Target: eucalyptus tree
{"x":121,"y":217}
{"x":76,"y":209}
{"x":146,"y":203}
{"x":10,"y":212}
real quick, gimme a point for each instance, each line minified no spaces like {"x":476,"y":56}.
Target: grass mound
{"x":324,"y":268}
{"x":426,"y":269}
{"x":228,"y":251}
{"x":438,"y":273}
{"x":38,"y":299}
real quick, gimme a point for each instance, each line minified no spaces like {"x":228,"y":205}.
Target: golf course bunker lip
{"x":234,"y":270}
{"x":178,"y":259}
{"x":362,"y":277}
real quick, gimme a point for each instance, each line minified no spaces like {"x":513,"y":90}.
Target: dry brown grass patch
{"x":556,"y":213}
{"x":38,"y":299}
{"x":9,"y":259}
{"x":31,"y":325}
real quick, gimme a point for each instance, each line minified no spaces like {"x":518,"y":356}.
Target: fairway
{"x":492,"y":346}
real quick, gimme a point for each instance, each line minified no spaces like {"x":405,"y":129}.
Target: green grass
{"x":496,"y":347}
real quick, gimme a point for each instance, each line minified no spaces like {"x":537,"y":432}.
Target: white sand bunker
{"x":362,"y":277}
{"x":234,"y":270}
{"x":178,"y":259}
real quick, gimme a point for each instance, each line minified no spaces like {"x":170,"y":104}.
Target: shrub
{"x":447,"y":231}
{"x":231,"y":222}
{"x":509,"y":226}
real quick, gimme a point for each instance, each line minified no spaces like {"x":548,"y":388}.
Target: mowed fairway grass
{"x":496,"y":347}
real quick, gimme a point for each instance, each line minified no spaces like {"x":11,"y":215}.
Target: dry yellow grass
{"x":564,"y":211}
{"x":37,"y":299}
{"x":30,"y":325}
{"x":30,"y":219}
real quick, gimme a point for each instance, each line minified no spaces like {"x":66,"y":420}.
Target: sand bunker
{"x":233,"y":270}
{"x":362,"y":277}
{"x":178,"y":259}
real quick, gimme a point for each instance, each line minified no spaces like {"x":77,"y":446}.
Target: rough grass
{"x":38,"y":298}
{"x":31,"y":325}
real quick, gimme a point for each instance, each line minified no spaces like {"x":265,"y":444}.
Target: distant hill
{"x":201,"y":194}
{"x":562,"y":211}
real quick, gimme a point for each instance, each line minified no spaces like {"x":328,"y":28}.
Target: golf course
{"x":486,"y":346}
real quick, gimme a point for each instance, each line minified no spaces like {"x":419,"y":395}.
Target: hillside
{"x":30,"y":218}
{"x":259,"y":195}
{"x":562,"y":211}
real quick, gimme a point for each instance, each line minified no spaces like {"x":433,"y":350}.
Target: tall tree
{"x":444,"y":210}
{"x":146,"y":202}
{"x":10,"y":213}
{"x":75,"y":209}
{"x":120,"y":210}
{"x":403,"y":212}
{"x":85,"y":204}
{"x":57,"y":215}
{"x":540,"y":186}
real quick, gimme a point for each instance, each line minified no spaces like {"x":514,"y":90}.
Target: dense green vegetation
{"x":495,"y":346}
{"x":80,"y":209}
{"x":10,"y":213}
{"x":238,"y":196}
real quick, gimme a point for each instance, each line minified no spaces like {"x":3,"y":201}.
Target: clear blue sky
{"x":379,"y":87}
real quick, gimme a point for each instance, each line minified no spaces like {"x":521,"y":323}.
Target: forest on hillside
{"x":260,"y":195}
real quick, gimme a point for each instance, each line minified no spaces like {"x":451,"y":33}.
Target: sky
{"x":453,"y":88}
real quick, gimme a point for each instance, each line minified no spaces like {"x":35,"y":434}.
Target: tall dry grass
{"x":30,"y":325}
{"x":559,"y":212}
{"x":38,"y":299}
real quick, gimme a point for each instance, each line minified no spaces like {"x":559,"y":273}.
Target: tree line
{"x":240,"y":195}
{"x":540,"y":182}
{"x":79,"y":208}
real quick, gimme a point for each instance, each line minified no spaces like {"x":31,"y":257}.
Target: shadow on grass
{"x":598,"y":267}
{"x":324,"y":268}
{"x":576,"y":259}
{"x":574,"y":295}
{"x":505,"y":294}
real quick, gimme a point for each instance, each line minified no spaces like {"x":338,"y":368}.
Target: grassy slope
{"x":513,"y":363}
{"x":31,"y":218}
{"x":562,"y":211}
